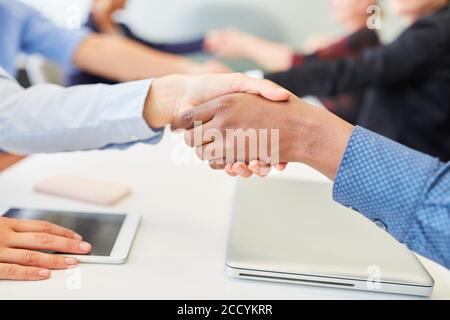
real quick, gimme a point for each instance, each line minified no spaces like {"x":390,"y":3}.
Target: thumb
{"x":264,"y":88}
{"x":223,"y":84}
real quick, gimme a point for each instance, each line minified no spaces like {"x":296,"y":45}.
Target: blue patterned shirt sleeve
{"x":404,"y":190}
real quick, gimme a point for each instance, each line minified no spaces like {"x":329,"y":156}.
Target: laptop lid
{"x":295,"y":228}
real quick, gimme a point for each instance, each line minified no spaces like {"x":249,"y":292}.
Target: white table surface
{"x":179,"y":250}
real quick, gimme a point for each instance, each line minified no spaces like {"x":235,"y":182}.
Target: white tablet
{"x":110,"y":234}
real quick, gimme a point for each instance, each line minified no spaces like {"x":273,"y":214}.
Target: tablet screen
{"x":100,"y":230}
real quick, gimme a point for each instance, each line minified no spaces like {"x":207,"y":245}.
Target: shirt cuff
{"x":383,"y":180}
{"x":118,"y":106}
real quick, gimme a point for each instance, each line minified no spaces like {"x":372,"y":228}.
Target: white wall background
{"x":171,"y":20}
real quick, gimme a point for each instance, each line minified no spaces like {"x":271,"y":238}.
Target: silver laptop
{"x":293,"y":232}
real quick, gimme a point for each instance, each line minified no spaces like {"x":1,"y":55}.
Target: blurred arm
{"x":109,"y":56}
{"x":118,"y":58}
{"x":382,"y":66}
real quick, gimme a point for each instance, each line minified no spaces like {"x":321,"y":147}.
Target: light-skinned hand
{"x":234,"y":43}
{"x":21,"y":241}
{"x":255,"y":167}
{"x":172,"y":95}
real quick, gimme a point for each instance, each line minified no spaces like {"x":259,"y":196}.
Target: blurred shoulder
{"x":439,"y":21}
{"x":15,"y":9}
{"x":434,"y":29}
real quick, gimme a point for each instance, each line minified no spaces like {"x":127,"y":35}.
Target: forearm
{"x":120,"y":59}
{"x":49,"y":118}
{"x":388,"y":183}
{"x":321,"y":139}
{"x":403,"y":189}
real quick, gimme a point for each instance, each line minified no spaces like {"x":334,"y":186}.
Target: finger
{"x":240,"y":83}
{"x":45,"y":241}
{"x":255,"y":167}
{"x":242,"y":170}
{"x":229,"y":170}
{"x":265,"y":170}
{"x":218,"y":150}
{"x":16,"y":272}
{"x":260,"y":168}
{"x":44,"y":227}
{"x":211,"y":152}
{"x":202,"y":135}
{"x":37,"y":259}
{"x":281,"y":166}
{"x":196,"y":116}
{"x":218,"y":85}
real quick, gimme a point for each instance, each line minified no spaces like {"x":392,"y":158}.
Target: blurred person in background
{"x":273,"y":56}
{"x":102,"y":20}
{"x":25,"y":30}
{"x":352,"y":15}
{"x":405,"y":84}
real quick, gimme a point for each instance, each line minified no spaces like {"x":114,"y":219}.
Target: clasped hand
{"x":172,"y":98}
{"x":249,"y":133}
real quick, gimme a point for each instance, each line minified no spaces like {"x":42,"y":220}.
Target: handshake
{"x":247,"y":126}
{"x":237,"y":123}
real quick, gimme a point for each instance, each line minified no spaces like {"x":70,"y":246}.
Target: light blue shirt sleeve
{"x":400,"y":189}
{"x":49,"y":118}
{"x":41,"y":36}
